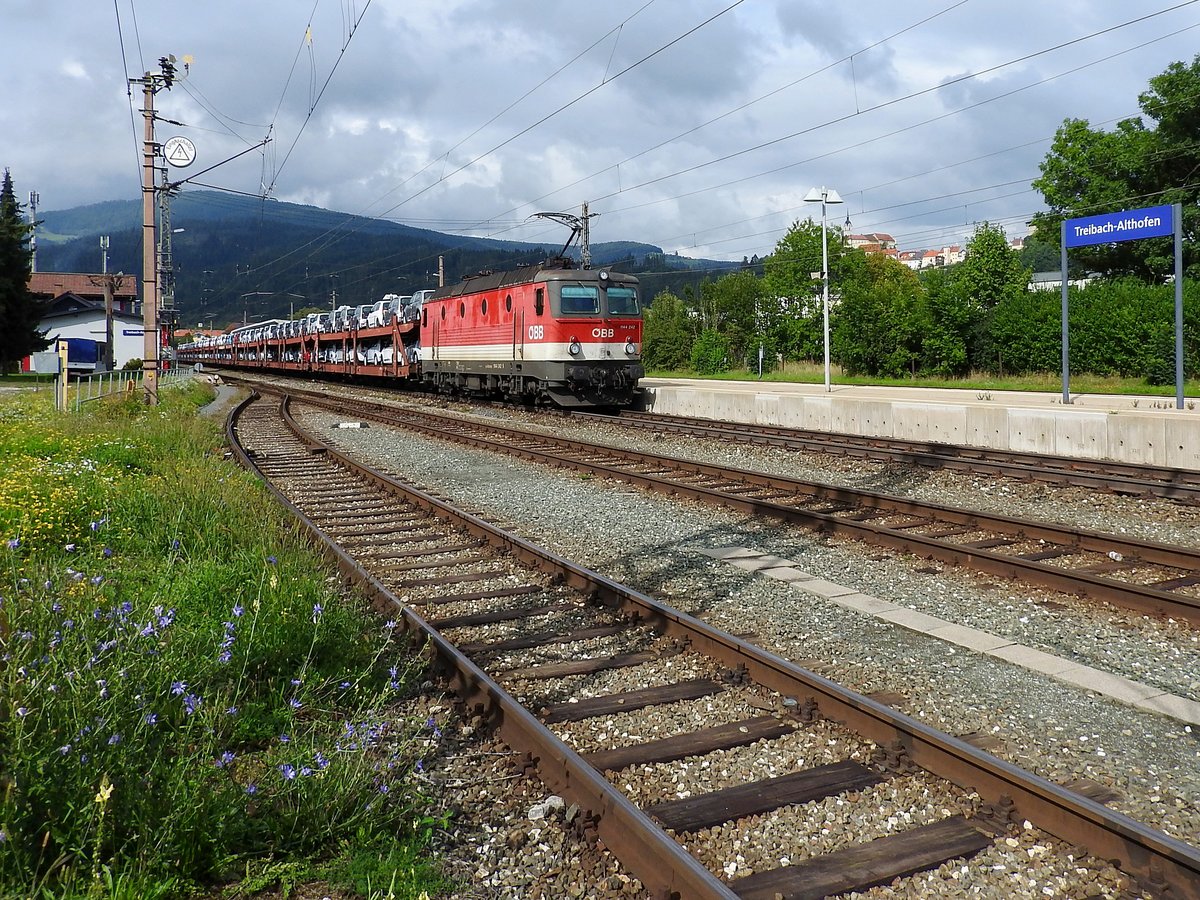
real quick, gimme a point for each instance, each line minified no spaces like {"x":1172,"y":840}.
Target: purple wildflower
{"x":237,"y":609}
{"x":97,"y":579}
{"x":22,"y":711}
{"x":108,"y":552}
{"x":252,"y":788}
{"x":64,"y":749}
{"x":115,"y":739}
{"x":175,"y":544}
{"x":271,"y":560}
{"x":225,"y":759}
{"x":190,"y":703}
{"x":294,"y":703}
{"x":14,"y":543}
{"x":320,"y":760}
{"x":178,"y":687}
{"x":151,"y":718}
{"x":231,"y":711}
{"x":70,"y":548}
{"x":288,"y":771}
{"x":317,"y":610}
{"x":283,"y":739}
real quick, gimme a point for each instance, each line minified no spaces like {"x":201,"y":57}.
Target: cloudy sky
{"x":696,"y":125}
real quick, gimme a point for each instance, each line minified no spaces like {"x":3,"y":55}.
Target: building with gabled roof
{"x":75,"y":309}
{"x":52,"y":285}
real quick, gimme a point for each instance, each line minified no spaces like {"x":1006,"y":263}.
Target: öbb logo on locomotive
{"x":539,"y":334}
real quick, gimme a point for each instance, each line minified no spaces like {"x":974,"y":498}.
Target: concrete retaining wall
{"x":1121,"y":432}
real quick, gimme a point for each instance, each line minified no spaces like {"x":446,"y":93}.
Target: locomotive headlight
{"x":630,"y":348}
{"x":574,"y":348}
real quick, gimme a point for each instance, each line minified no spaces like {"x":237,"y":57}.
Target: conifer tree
{"x":19,"y":312}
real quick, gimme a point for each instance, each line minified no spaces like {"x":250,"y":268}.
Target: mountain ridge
{"x":241,"y":257}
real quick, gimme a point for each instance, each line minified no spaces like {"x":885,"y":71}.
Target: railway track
{"x":1144,"y":576}
{"x":1094,"y":474}
{"x":505,"y":616}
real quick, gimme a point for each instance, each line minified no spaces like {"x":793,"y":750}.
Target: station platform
{"x":1125,"y":428}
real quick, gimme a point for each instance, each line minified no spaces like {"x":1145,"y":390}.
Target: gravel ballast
{"x":653,"y":544}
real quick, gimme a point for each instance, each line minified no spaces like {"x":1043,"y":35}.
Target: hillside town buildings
{"x":885,"y":245}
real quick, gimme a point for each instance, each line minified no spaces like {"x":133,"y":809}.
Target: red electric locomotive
{"x":549,"y":331}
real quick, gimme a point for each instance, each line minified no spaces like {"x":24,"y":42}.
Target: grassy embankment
{"x":186,"y":704}
{"x":1049,"y":382}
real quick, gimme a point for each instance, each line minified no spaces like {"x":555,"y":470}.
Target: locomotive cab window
{"x":622,"y":301}
{"x":580,"y":299}
{"x":539,"y":301}
{"x":483,"y":306}
{"x":508,"y":303}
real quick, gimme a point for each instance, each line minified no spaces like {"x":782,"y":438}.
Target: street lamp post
{"x":824,"y":196}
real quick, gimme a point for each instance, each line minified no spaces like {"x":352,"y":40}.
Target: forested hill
{"x":241,"y":257}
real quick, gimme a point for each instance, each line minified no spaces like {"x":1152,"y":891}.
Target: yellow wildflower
{"x":105,"y":791}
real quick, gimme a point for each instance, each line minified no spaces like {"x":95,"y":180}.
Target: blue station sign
{"x":1131,"y":225}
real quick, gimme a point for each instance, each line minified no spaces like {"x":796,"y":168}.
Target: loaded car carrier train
{"x":543,"y":333}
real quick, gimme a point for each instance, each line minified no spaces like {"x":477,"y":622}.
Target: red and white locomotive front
{"x":573,"y":336}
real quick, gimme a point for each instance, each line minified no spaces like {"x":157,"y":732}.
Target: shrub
{"x":710,"y":353}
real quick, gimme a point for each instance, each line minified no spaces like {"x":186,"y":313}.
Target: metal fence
{"x":92,"y":387}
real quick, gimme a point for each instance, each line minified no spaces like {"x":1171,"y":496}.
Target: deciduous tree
{"x":881,"y":319}
{"x":789,"y":286}
{"x":1147,"y":160}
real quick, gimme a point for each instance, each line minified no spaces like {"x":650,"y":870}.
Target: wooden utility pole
{"x":151,"y":84}
{"x":149,"y":269}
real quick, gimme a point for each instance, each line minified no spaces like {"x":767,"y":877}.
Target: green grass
{"x":1049,"y":382}
{"x":184,"y":701}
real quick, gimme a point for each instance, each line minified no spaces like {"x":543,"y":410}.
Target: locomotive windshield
{"x":622,"y":301}
{"x":580,"y":299}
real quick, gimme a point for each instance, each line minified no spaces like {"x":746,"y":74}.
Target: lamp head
{"x":822,"y":195}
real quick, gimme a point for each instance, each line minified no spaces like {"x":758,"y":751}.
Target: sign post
{"x":1130,"y":225}
{"x":60,"y":385}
